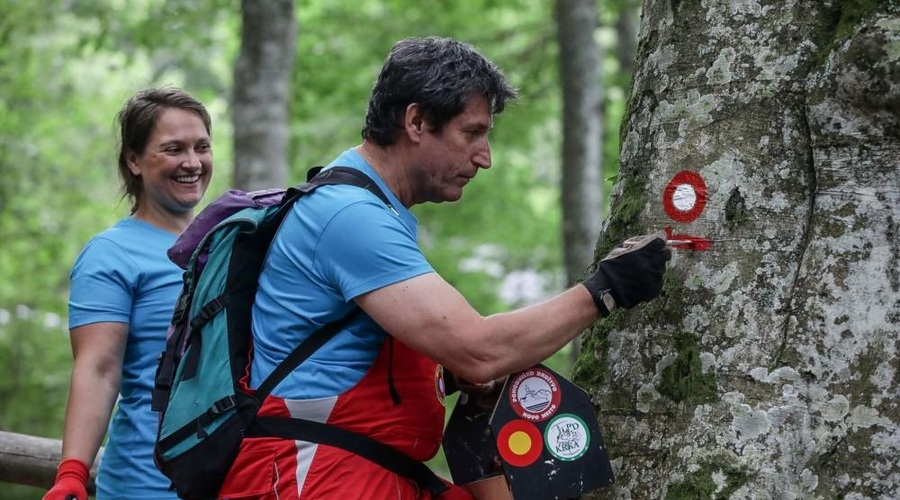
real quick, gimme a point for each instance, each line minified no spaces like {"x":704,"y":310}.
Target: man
{"x":425,"y":138}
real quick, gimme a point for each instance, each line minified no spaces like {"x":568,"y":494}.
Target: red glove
{"x":71,"y":480}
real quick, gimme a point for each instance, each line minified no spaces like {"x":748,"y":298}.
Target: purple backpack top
{"x":230,"y":203}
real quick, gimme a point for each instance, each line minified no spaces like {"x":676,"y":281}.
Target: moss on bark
{"x":684,"y":380}
{"x":715,"y":479}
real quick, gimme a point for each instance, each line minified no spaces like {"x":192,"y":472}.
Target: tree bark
{"x":32,"y":461}
{"x":262,"y":77}
{"x":770,"y":367}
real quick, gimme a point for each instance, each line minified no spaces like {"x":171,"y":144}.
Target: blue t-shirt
{"x":124,"y":276}
{"x":334,"y":245}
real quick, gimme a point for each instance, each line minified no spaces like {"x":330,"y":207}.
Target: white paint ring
{"x":684,"y":198}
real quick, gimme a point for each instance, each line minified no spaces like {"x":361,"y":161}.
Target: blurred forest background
{"x":66,"y":66}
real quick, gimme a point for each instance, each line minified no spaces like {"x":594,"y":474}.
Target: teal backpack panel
{"x":205,"y":412}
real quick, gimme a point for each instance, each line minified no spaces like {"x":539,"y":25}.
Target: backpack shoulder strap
{"x":317,"y":176}
{"x":306,"y":348}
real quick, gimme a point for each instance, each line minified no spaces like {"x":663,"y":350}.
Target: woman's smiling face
{"x":175,"y":166}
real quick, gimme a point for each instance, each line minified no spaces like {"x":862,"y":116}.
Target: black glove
{"x":632,"y":273}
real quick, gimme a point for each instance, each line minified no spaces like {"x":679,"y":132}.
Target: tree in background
{"x":766,"y":133}
{"x":582,"y":137}
{"x":626,"y":38}
{"x":260,"y":108}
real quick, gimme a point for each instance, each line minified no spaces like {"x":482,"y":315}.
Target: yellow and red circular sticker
{"x":519,"y":443}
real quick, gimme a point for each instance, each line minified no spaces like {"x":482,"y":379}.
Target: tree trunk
{"x":582,"y":143}
{"x":626,"y":38}
{"x":262,"y":77}
{"x":579,"y":57}
{"x":766,"y":133}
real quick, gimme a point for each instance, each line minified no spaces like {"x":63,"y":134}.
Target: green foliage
{"x":39,"y":391}
{"x":66,"y":68}
{"x":48,"y":136}
{"x":63,"y":76}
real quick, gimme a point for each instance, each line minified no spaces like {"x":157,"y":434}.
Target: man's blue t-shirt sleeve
{"x":360,"y":257}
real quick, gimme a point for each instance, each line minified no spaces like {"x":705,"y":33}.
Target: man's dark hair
{"x":440,"y":74}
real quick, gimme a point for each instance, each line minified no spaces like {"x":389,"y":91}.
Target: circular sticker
{"x":439,"y":386}
{"x":567,"y":437}
{"x":534,"y":394}
{"x":519,"y":443}
{"x":685,"y":196}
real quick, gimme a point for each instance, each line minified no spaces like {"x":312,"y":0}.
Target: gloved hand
{"x":71,"y":480}
{"x":632,"y":273}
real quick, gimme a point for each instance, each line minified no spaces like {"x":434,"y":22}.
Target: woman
{"x":123,"y":289}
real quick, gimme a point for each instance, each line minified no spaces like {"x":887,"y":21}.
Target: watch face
{"x":608,"y":301}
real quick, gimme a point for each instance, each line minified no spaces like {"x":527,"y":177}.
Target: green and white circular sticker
{"x":567,"y":437}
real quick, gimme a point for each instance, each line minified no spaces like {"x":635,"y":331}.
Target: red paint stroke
{"x":692,"y":179}
{"x":691,"y":242}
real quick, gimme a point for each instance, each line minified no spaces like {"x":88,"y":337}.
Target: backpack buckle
{"x":223,"y":405}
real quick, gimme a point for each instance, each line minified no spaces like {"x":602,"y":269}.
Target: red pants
{"x":275,"y":468}
{"x":269,"y":471}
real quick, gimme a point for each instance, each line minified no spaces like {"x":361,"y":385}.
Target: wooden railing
{"x":32,"y":460}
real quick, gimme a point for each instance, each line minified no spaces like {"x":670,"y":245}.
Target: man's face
{"x":449,"y":159}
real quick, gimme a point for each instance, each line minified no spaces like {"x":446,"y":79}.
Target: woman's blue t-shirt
{"x":123,"y":276}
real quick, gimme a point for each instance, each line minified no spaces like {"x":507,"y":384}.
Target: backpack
{"x":204,"y":410}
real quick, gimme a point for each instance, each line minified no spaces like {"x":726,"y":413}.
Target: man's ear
{"x":414,"y":122}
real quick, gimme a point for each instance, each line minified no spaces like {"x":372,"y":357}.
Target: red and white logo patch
{"x":440,"y":387}
{"x":534,"y":395}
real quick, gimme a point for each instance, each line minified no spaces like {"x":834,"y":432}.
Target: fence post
{"x":32,"y":460}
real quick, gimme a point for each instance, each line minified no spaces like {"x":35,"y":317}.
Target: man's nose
{"x":482,"y":158}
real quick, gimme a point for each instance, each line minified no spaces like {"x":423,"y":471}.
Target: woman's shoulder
{"x":120,"y":229}
{"x":129,"y":239}
{"x":109,"y":237}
